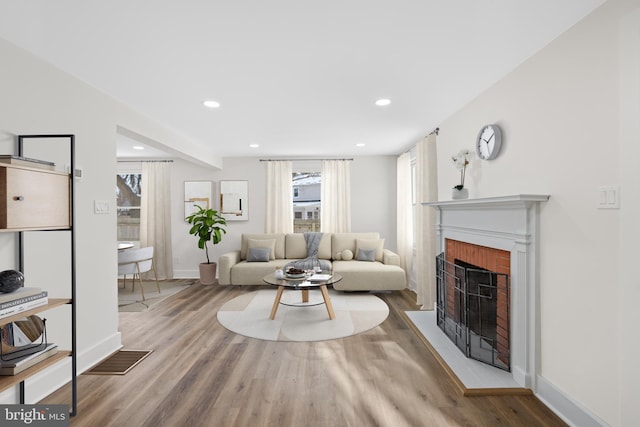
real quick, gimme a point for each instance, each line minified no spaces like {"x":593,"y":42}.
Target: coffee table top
{"x":305,"y":282}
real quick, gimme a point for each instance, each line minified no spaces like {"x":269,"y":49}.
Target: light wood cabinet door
{"x":33,"y":199}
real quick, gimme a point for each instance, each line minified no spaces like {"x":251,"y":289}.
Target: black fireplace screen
{"x":473,"y":310}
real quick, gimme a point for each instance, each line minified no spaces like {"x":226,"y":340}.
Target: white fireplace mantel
{"x":514,"y":200}
{"x":509,"y":223}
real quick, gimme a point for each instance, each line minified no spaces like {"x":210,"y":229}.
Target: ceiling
{"x":295,"y":77}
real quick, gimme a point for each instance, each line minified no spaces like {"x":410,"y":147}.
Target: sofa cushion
{"x":268,"y":244}
{"x":342,"y":241}
{"x":258,"y":254}
{"x":279,"y":246}
{"x":367,"y":276}
{"x":368,"y":244}
{"x":252,"y":273}
{"x":296,"y":246}
{"x":366,"y":255}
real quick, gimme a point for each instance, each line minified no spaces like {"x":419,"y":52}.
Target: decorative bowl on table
{"x":295,"y":273}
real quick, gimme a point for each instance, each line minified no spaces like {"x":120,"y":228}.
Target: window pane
{"x":128,"y":224}
{"x":128,"y":190}
{"x":128,"y":196}
{"x":306,"y":201}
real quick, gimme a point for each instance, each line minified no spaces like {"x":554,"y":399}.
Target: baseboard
{"x":566,"y":408}
{"x":46,"y":382}
{"x":185,"y":274}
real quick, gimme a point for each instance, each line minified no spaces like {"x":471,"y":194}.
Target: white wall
{"x":39,"y":99}
{"x":186,"y":254}
{"x":559,"y":112}
{"x":373,"y":189}
{"x":628,"y":315}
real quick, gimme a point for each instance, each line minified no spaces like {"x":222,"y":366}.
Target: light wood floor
{"x":200,"y":374}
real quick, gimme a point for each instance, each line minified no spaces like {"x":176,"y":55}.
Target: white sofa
{"x":377,"y":269}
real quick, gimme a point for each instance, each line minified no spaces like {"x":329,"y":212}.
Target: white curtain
{"x":335,"y":195}
{"x":279,"y":209}
{"x":426,"y":191}
{"x":155,"y":215}
{"x":404,"y":208}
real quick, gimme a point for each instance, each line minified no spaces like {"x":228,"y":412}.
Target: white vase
{"x":459,"y":194}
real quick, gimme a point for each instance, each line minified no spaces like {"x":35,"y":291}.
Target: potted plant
{"x":207,"y":225}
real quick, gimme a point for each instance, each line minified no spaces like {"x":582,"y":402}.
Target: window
{"x":128,"y":195}
{"x":306,"y":200}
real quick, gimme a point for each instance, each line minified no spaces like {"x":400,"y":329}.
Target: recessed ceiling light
{"x":254,"y":145}
{"x":383,"y":102}
{"x":361,"y":144}
{"x":138,"y":147}
{"x":211,"y":104}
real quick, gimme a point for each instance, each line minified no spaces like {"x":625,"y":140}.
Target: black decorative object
{"x":10,"y":280}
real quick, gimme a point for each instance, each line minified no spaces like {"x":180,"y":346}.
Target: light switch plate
{"x":101,"y":207}
{"x":608,"y":197}
{"x":78,"y":173}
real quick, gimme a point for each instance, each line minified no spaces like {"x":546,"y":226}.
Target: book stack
{"x":22,"y":299}
{"x":19,"y":364}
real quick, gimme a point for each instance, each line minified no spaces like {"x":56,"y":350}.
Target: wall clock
{"x":488,"y":142}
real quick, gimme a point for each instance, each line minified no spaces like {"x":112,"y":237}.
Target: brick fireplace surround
{"x":510,"y":224}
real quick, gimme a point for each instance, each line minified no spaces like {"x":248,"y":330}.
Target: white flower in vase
{"x":461,"y":160}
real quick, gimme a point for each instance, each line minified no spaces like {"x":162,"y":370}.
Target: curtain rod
{"x":436,"y":130}
{"x":145,"y":161}
{"x":301,"y":160}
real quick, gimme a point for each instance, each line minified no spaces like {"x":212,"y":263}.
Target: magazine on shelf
{"x":19,"y":293}
{"x":15,"y":366}
{"x":22,"y":300}
{"x":16,"y":309}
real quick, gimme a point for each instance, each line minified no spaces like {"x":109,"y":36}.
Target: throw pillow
{"x":347,"y":255}
{"x":366,"y":255}
{"x":376,"y":244}
{"x":258,"y":255}
{"x":338,"y":256}
{"x":263,"y":243}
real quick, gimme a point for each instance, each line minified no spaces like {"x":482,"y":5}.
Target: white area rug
{"x":248,"y":315}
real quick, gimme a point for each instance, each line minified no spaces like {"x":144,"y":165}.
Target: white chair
{"x":136,"y":261}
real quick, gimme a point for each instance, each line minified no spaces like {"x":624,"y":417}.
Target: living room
{"x":570,"y":116}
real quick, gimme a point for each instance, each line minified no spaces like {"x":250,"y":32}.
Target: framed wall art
{"x":198,"y":193}
{"x":234,"y":200}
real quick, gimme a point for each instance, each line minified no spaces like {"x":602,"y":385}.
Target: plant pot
{"x":459,"y":194}
{"x":208,"y":273}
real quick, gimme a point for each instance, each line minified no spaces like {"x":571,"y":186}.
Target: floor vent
{"x":119,"y":363}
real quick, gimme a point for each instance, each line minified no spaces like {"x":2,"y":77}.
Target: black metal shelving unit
{"x":21,"y":141}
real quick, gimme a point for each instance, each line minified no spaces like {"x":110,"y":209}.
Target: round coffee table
{"x":303,"y":284}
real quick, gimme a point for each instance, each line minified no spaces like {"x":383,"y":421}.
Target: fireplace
{"x":496,"y":239}
{"x":472,"y":304}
